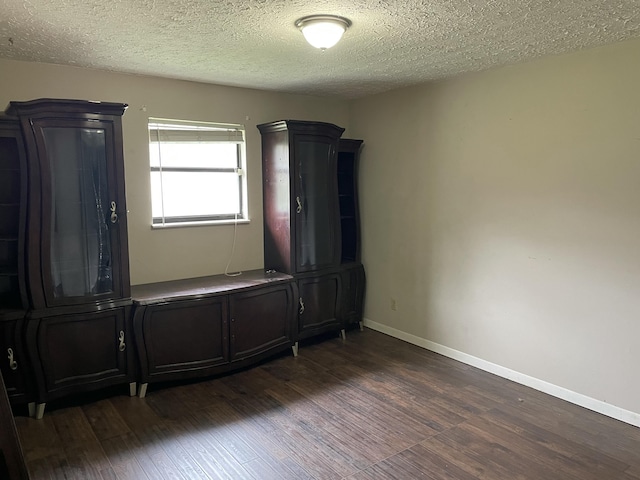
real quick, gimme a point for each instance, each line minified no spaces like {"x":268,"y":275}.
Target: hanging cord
{"x":233,"y":249}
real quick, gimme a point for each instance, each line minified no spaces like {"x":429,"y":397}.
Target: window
{"x":197,"y":172}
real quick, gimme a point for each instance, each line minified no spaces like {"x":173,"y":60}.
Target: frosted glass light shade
{"x":323,"y":31}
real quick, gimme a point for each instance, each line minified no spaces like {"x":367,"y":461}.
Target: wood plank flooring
{"x":371,"y":407}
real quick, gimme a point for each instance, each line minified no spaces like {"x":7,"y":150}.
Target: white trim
{"x":206,"y":223}
{"x":599,"y":406}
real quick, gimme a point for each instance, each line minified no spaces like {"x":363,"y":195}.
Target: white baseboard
{"x":540,"y":385}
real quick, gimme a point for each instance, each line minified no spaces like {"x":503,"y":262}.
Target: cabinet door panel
{"x":318,"y":303}
{"x":12,"y":360}
{"x":261,"y":321}
{"x":315,"y":202}
{"x":188,"y":335}
{"x":77,"y":251}
{"x":83,"y":349}
{"x":79,"y":245}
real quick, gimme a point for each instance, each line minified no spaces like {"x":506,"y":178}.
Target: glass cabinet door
{"x":314,"y":202}
{"x":77,"y":246}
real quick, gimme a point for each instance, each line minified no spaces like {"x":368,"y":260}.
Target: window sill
{"x":200,"y":224}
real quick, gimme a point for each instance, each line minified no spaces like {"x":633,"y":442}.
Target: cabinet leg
{"x":361,"y":325}
{"x":132,"y":389}
{"x":40,"y":411}
{"x":294,"y":348}
{"x":343,"y":334}
{"x":32,"y":409}
{"x":143,"y":390}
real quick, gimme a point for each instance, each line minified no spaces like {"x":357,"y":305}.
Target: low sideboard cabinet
{"x":210,"y":325}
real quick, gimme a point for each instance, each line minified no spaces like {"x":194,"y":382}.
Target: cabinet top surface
{"x":302,"y":126}
{"x":350,"y":144}
{"x":191,"y":288}
{"x":57,"y":105}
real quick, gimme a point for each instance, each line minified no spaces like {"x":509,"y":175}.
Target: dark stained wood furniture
{"x":204,"y":326}
{"x":67,"y":316}
{"x":13,"y":364}
{"x":73,"y":273}
{"x":13,"y":293}
{"x":311,"y":220}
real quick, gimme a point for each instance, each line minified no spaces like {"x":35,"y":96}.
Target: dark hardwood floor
{"x":372,"y":407}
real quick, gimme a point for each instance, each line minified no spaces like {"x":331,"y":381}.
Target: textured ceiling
{"x":254,"y":43}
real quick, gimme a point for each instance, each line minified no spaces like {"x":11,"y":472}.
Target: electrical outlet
{"x":394,"y":304}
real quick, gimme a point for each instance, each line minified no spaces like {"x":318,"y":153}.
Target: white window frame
{"x":177,"y":131}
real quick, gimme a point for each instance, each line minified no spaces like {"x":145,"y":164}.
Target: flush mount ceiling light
{"x":323,"y":31}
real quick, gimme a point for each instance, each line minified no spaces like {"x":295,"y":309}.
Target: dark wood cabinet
{"x":13,"y":293}
{"x":319,"y":304}
{"x":82,"y":351}
{"x":77,"y":251}
{"x":14,"y":368}
{"x":183,"y":336}
{"x":71,"y":258}
{"x":311,"y":220}
{"x":66,"y":304}
{"x":203,"y":326}
{"x":14,"y":365}
{"x":261,"y":321}
{"x":302,"y":230}
{"x":316,"y":229}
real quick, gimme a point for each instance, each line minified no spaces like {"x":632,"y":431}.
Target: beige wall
{"x":166,"y":254}
{"x":502,"y":211}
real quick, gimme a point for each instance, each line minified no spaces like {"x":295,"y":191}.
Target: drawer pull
{"x":122,"y":345}
{"x":301,"y":306}
{"x":13,"y":365}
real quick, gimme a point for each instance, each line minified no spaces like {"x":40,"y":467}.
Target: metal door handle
{"x":122,"y":345}
{"x":301,"y":306}
{"x":114,"y":215}
{"x":299,"y":207}
{"x":13,"y":365}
